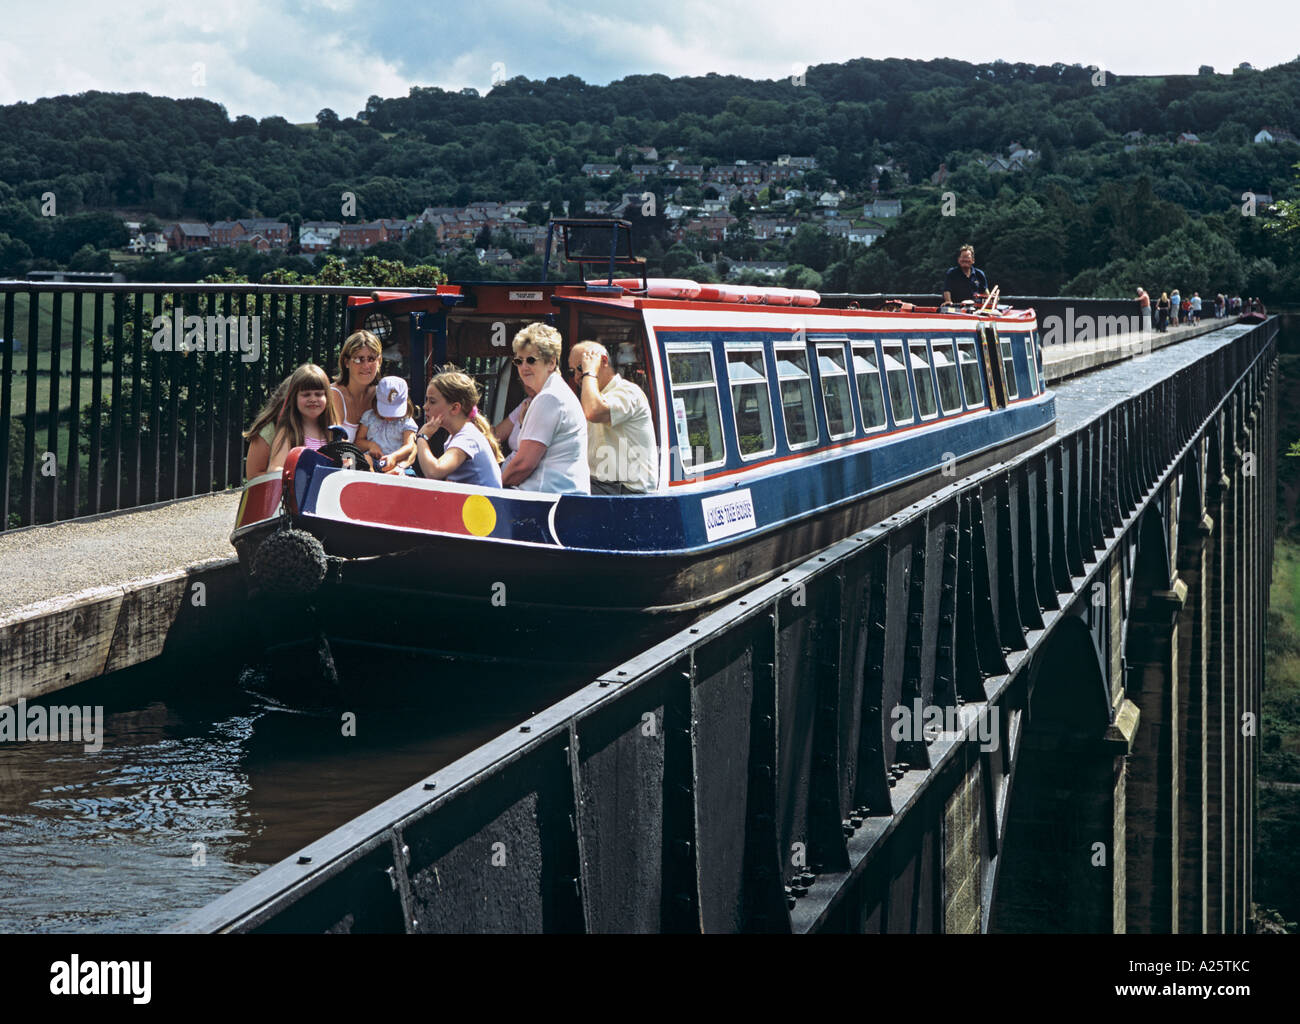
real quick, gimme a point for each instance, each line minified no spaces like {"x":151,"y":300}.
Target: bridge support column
{"x":1254,"y":597}
{"x":1233,"y":697}
{"x":1218,"y":727}
{"x":1192,"y":724}
{"x":1154,"y":791}
{"x":1062,"y":860}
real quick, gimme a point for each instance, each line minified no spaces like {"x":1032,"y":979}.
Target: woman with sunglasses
{"x":552,"y":453}
{"x":353,"y":390}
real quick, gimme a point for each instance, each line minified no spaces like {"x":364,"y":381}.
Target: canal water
{"x":200,"y":783}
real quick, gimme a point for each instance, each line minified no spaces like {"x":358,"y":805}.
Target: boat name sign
{"x":726,"y":515}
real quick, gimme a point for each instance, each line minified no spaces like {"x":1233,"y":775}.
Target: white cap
{"x":390,"y":397}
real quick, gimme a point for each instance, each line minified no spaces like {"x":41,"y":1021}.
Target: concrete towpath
{"x":89,"y":596}
{"x":1075,"y":357}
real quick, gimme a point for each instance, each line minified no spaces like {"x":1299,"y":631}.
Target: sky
{"x":293,"y":58}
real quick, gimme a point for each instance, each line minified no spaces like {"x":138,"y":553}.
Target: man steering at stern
{"x":965,"y":280}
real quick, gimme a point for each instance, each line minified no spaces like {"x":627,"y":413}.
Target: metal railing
{"x":115,"y":396}
{"x":664,"y":795}
{"x":102,"y":410}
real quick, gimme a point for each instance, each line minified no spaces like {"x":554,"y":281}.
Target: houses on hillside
{"x":1268,"y":134}
{"x":1017,"y":158}
{"x":748,"y":175}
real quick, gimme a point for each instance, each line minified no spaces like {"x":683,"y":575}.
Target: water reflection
{"x":200,"y":784}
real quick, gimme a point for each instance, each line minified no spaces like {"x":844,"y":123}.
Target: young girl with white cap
{"x":387,"y":431}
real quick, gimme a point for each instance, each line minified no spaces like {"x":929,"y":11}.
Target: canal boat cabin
{"x":782,"y":425}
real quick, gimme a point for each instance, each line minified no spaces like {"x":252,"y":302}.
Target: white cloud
{"x":293,"y":57}
{"x":256,"y":59}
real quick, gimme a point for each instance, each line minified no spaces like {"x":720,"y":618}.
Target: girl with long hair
{"x":305,"y":415}
{"x":261,"y":433}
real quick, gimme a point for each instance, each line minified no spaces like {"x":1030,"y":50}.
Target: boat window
{"x":945,"y":369}
{"x":480,"y":346}
{"x":695,"y":407}
{"x":900,"y":398}
{"x":796,"y":397}
{"x":835,"y":390}
{"x":970,"y":374}
{"x":1009,"y":368}
{"x":925,"y":403}
{"x":870,"y":396}
{"x":746,"y":367}
{"x":1032,"y":363}
{"x":625,"y":342}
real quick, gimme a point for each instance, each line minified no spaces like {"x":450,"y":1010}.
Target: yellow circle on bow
{"x":478,"y":515}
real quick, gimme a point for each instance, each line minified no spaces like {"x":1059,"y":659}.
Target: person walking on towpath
{"x":1144,"y":306}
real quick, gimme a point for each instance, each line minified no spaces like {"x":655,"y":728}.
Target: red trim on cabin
{"x":864,"y":314}
{"x":382,"y":296}
{"x":662,"y":329}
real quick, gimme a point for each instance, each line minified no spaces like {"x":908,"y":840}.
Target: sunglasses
{"x":526,"y":359}
{"x":365,"y":359}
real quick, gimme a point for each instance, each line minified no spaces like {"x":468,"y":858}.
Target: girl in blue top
{"x":471,"y":454}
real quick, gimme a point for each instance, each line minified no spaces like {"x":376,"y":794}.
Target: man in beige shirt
{"x":621,"y":450}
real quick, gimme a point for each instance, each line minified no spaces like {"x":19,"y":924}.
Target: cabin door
{"x":988,"y":335}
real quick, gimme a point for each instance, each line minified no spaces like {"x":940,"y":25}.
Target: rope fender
{"x":290,"y":562}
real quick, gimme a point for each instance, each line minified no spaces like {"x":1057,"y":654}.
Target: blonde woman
{"x":552,"y":454}
{"x":353,"y":390}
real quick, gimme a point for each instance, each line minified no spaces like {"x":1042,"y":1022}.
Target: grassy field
{"x":1278,"y":835}
{"x":1281,"y":750}
{"x":43,"y":384}
{"x":22,"y":307}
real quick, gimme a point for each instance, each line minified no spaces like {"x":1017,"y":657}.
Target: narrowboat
{"x":782,"y":425}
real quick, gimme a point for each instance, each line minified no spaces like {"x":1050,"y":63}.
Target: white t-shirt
{"x":516,"y":424}
{"x":623,"y":450}
{"x":555,"y":419}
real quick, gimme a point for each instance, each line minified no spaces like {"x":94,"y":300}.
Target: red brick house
{"x":187,"y":236}
{"x":362,"y":236}
{"x":258,"y":242}
{"x":227,"y":232}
